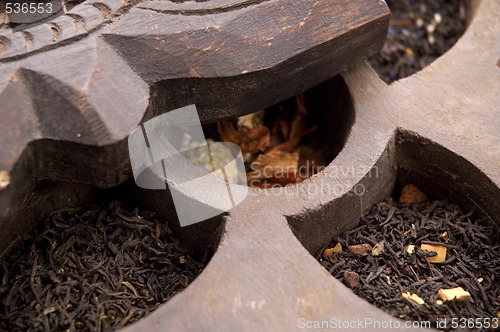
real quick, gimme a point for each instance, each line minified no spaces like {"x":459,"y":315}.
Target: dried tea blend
{"x":398,"y":274}
{"x":95,"y":269}
{"x":419,"y":32}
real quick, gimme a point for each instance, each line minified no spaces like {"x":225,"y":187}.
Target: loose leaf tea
{"x":403,"y":281}
{"x":419,"y":32}
{"x":95,"y":269}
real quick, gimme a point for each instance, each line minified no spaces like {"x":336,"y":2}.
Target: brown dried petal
{"x":411,"y":194}
{"x":250,"y":140}
{"x":360,"y":249}
{"x":273,"y":163}
{"x":351,"y":279}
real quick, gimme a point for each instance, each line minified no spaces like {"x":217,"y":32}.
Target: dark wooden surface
{"x":67,"y":106}
{"x":72,"y":89}
{"x":438,"y":128}
{"x":107,"y":72}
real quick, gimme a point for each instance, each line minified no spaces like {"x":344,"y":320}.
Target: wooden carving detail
{"x":80,"y":21}
{"x":83,"y":80}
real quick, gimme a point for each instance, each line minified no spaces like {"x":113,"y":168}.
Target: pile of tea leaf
{"x":419,"y":32}
{"x":95,"y":269}
{"x":424,"y":261}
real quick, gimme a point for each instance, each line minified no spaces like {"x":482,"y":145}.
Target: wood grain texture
{"x":83,"y":81}
{"x":67,"y":106}
{"x":234,"y":53}
{"x":441,"y":123}
{"x":261,"y":278}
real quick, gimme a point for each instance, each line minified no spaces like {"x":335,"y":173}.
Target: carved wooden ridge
{"x":67,"y":109}
{"x":72,"y":89}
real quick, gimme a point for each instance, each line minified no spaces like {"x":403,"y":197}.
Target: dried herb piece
{"x":411,"y":194}
{"x":457,"y":293}
{"x":329,"y":252}
{"x":351,"y":279}
{"x":359,"y":249}
{"x":414,"y":297}
{"x":273,"y":163}
{"x":294,"y":133}
{"x":250,"y":140}
{"x":273,"y":140}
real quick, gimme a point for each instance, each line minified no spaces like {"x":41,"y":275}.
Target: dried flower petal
{"x":411,"y":194}
{"x":274,"y":162}
{"x":327,"y":253}
{"x":414,"y":297}
{"x":439,"y":250}
{"x":351,"y":279}
{"x":360,"y":249}
{"x":250,"y":140}
{"x":457,"y":293}
{"x":378,"y":248}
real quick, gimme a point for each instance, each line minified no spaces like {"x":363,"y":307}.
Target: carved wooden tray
{"x":67,"y":106}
